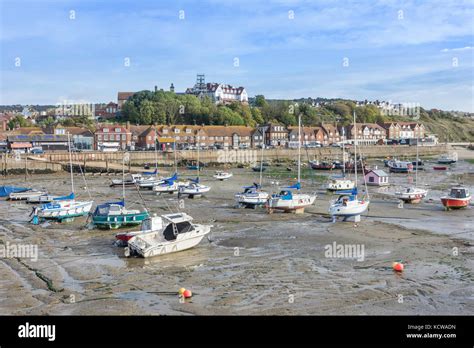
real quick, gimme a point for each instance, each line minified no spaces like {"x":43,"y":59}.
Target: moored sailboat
{"x":348,"y":204}
{"x":63,"y":208}
{"x":288,"y":200}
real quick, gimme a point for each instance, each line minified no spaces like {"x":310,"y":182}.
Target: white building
{"x":218,"y":92}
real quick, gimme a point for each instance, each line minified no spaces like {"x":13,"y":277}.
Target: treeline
{"x":160,"y":107}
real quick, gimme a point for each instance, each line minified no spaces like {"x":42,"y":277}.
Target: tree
{"x":18,"y":121}
{"x":260,"y":101}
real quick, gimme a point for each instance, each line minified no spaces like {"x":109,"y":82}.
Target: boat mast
{"x":198,"y":165}
{"x":175,"y":160}
{"x":156,"y":154}
{"x":261,"y":166}
{"x":123,"y":177}
{"x":299,"y":147}
{"x":355,"y":149}
{"x":343,"y":153}
{"x":416,"y":167}
{"x":70,"y":161}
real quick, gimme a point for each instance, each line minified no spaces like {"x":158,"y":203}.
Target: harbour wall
{"x":111,"y":161}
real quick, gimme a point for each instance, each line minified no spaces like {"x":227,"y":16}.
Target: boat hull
{"x":117,"y":221}
{"x":455,"y":203}
{"x":183,"y":242}
{"x":67,"y":211}
{"x":298,"y":202}
{"x":349,"y":210}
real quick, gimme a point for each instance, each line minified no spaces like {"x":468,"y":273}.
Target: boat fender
{"x":126,"y":252}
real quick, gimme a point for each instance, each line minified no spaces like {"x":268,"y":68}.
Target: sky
{"x":86,"y":51}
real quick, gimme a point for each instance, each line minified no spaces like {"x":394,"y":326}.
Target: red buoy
{"x":187,"y":294}
{"x":398,"y":266}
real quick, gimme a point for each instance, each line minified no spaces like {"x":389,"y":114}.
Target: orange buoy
{"x":398,"y":266}
{"x":187,"y":294}
{"x":181,"y":291}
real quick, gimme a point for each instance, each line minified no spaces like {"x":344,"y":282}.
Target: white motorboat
{"x":25,"y":196}
{"x":221,"y":175}
{"x":348,"y":204}
{"x":287,"y":200}
{"x":448,"y":158}
{"x":167,"y":234}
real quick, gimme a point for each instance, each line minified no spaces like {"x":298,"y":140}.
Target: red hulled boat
{"x":458,"y":197}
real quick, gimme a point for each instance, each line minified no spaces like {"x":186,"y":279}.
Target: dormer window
{"x":176,"y":130}
{"x":117,"y":130}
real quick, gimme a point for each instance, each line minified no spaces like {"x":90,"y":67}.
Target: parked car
{"x":37,"y":151}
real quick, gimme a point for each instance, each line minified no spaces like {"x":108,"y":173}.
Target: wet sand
{"x":253,"y":262}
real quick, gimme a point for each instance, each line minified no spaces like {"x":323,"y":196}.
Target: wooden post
{"x":106,"y":163}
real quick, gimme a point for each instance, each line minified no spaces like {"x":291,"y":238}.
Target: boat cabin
{"x":177,"y":223}
{"x":459,"y":192}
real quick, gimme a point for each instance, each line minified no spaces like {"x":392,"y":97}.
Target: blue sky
{"x":397,"y":50}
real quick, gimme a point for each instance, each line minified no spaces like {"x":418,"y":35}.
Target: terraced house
{"x":112,"y":138}
{"x":404,"y":130}
{"x":367,"y":133}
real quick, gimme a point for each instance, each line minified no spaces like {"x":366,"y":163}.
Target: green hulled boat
{"x":114,"y":215}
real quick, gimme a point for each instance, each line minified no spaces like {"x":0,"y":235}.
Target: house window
{"x":117,"y":130}
{"x":106,"y":137}
{"x":188,"y":131}
{"x":105,"y":130}
{"x":99,"y":137}
{"x":165,"y":131}
{"x":371,"y":179}
{"x":176,"y":130}
{"x":124,"y":137}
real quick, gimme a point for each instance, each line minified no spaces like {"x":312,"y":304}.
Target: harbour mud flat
{"x":252,"y":263}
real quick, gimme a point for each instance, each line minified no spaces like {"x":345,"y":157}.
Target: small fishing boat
{"x":194,"y":189}
{"x":360,"y":166}
{"x":133,"y":180}
{"x":440,"y":168}
{"x":167,"y":234}
{"x":458,"y":197}
{"x":113,"y":215}
{"x":25,"y":196}
{"x":449,"y":158}
{"x":6,"y":190}
{"x":316,"y":165}
{"x":400,"y":166}
{"x":221,"y":175}
{"x":411,"y":195}
{"x":252,"y":196}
